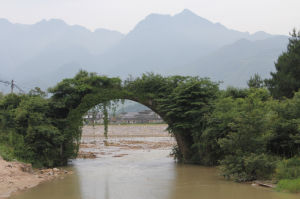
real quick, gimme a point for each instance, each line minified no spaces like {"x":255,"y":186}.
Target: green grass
{"x":288,"y":169}
{"x":288,"y":185}
{"x":6,"y":153}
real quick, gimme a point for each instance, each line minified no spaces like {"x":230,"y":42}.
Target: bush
{"x":7,"y":146}
{"x":286,"y":80}
{"x":27,"y":132}
{"x":288,"y":169}
{"x":243,"y":127}
{"x":243,"y":168}
{"x":176,"y":154}
{"x":6,"y":153}
{"x":285,"y":141}
{"x":288,"y":185}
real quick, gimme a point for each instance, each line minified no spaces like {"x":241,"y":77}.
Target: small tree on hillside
{"x":255,"y":82}
{"x":286,"y":80}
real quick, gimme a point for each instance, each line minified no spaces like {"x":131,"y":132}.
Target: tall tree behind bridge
{"x":286,"y":80}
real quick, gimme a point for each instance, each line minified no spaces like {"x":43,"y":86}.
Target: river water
{"x":145,"y":174}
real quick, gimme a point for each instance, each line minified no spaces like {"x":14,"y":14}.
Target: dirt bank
{"x":16,"y":176}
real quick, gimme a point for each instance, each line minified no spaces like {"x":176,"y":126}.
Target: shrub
{"x":288,"y":169}
{"x":243,"y":168}
{"x":289,"y":185}
{"x":176,"y":154}
{"x":27,"y":132}
{"x":285,"y":141}
{"x":6,"y":153}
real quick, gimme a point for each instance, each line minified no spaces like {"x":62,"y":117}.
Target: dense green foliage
{"x":288,"y":174}
{"x":285,"y":141}
{"x":256,"y":82}
{"x":288,"y":169}
{"x":288,"y":185}
{"x":185,"y":109}
{"x":286,"y":80}
{"x":242,"y":127}
{"x":28,"y":130}
{"x":248,"y":134}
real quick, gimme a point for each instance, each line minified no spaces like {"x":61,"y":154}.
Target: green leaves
{"x":286,"y":80}
{"x":286,"y":131}
{"x":246,"y":167}
{"x":237,"y":134}
{"x":288,"y":169}
{"x":29,"y":130}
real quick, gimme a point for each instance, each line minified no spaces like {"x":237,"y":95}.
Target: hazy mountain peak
{"x":152,"y":21}
{"x":186,"y":12}
{"x":260,"y":35}
{"x":52,"y":22}
{"x":188,"y":15}
{"x":180,"y":20}
{"x":156,"y":17}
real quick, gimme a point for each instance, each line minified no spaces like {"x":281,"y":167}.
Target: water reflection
{"x":136,"y":176}
{"x":200,"y":182}
{"x":147,"y":175}
{"x":106,"y":188}
{"x":68,"y":188}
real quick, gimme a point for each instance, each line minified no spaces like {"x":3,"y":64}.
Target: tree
{"x":37,"y":92}
{"x":256,"y":82}
{"x":286,"y":80}
{"x":240,"y":129}
{"x":285,"y":141}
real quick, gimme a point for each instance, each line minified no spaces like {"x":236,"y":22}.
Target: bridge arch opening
{"x":85,"y":108}
{"x":132,"y":129}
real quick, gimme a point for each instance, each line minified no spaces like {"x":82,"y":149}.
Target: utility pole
{"x":12,"y":85}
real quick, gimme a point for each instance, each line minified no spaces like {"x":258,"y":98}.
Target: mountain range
{"x":183,"y":44}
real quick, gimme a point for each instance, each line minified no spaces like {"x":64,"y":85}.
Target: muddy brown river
{"x":142,"y":170}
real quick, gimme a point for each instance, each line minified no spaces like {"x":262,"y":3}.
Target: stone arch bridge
{"x":179,"y":101}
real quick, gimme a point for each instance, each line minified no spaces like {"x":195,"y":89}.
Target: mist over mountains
{"x":186,"y":44}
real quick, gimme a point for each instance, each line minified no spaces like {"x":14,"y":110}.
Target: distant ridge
{"x":185,"y":44}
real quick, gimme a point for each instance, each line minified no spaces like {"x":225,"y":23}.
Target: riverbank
{"x":17,"y":176}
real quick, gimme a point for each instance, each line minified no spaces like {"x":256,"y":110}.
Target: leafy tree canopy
{"x":286,"y":80}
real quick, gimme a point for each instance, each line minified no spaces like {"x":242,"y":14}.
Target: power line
{"x":12,"y":85}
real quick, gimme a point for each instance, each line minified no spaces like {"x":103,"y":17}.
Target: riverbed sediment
{"x":122,"y":138}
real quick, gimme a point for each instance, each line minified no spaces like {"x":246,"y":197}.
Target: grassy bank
{"x":287,"y":185}
{"x":6,"y":152}
{"x":288,"y":175}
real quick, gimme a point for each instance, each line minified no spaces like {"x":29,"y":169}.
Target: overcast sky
{"x":273,"y":16}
